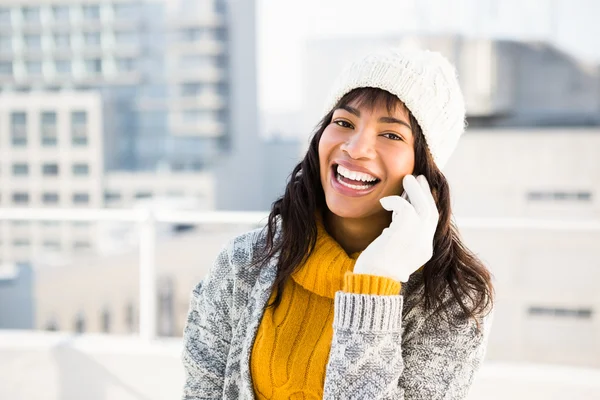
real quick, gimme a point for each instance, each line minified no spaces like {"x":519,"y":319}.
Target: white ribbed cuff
{"x":367,"y":312}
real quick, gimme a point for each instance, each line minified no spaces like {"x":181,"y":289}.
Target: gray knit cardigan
{"x":383,"y":347}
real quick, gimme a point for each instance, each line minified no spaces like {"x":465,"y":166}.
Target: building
{"x":505,"y":83}
{"x":50,"y":157}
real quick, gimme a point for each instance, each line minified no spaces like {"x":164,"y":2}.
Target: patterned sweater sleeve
{"x":372,"y":357}
{"x":207,"y":333}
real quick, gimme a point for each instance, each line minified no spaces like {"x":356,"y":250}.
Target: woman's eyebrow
{"x":386,"y":120}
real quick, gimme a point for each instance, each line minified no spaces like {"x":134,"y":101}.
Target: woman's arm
{"x":369,"y":360}
{"x":207,"y":333}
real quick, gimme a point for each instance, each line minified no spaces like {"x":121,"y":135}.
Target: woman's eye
{"x":342,"y":123}
{"x":392,"y":136}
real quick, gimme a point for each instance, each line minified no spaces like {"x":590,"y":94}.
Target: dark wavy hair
{"x":452,"y":266}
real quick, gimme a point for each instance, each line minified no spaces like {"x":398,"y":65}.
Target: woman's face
{"x":364,"y":154}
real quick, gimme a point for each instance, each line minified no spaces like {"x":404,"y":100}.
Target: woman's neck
{"x":355,"y":234}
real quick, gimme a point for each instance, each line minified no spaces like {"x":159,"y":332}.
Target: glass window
{"x":111,"y":197}
{"x":130,"y":317}
{"x":81,"y":198}
{"x":128,"y":38}
{"x":81,"y":245}
{"x":92,"y":38}
{"x":21,"y":242}
{"x":190,"y":34}
{"x":5,"y":43}
{"x":6,"y":68}
{"x":93,"y":66}
{"x":81,"y":169}
{"x":143,"y":195}
{"x":126,"y":10}
{"x":50,"y":198}
{"x":50,"y":169}
{"x":196,"y":61}
{"x":48,"y":127}
{"x":20,"y":198}
{"x":197,"y":116}
{"x":62,"y":67}
{"x":31,"y":14}
{"x":60,"y":13}
{"x":19,"y":128}
{"x":34,"y":67}
{"x":105,"y":321}
{"x":51,"y":244}
{"x":20,"y":169}
{"x":125,"y":64}
{"x":91,"y":12}
{"x":79,"y":128}
{"x":33,"y":42}
{"x":4,"y":15}
{"x":79,"y":323}
{"x":192,"y":89}
{"x":62,"y":41}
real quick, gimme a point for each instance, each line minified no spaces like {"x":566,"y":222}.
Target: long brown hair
{"x":452,"y":266}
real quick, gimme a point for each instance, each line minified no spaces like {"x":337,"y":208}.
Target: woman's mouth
{"x":352,"y":183}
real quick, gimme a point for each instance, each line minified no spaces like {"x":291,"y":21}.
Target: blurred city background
{"x":137,"y":137}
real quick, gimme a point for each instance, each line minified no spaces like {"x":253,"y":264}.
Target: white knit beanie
{"x":424,"y":81}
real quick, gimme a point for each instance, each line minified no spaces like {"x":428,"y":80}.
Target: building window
{"x":197,"y":116}
{"x":5,"y":15}
{"x":52,"y":245}
{"x":50,"y":198}
{"x":51,"y":223}
{"x":20,"y":198}
{"x":6,"y":68}
{"x":48,"y":127}
{"x":111,"y":197}
{"x":62,"y":41}
{"x":81,"y":245}
{"x":578,"y":313}
{"x":93,"y":66}
{"x":130,"y":317}
{"x":91,"y":12}
{"x":33,"y":42}
{"x":34,"y":68}
{"x":31,"y":14}
{"x":81,"y":198}
{"x":125,"y":64}
{"x":143,"y":195}
{"x":559,"y":196}
{"x":190,"y":34}
{"x":52,"y":325}
{"x":63,"y":67}
{"x":5,"y":43}
{"x":105,"y":321}
{"x":81,"y":169}
{"x":127,"y":38}
{"x":126,"y":11}
{"x":18,"y":122}
{"x":60,"y":13}
{"x":50,"y":169}
{"x":79,"y":128}
{"x":92,"y":38}
{"x":20,"y":169}
{"x":21,"y":242}
{"x":79,"y":325}
{"x":192,"y":89}
{"x":194,"y":61}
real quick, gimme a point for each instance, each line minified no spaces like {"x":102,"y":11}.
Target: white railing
{"x":148,"y":218}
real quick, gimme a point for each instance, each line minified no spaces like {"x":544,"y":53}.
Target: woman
{"x":353,"y":291}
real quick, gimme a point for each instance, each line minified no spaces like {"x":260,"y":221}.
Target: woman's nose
{"x":361,"y":144}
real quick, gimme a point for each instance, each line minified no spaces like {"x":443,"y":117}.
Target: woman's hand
{"x":407,"y":244}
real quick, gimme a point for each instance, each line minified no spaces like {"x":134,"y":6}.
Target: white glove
{"x":407,"y":244}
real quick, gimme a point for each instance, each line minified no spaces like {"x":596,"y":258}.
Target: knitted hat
{"x":424,"y":81}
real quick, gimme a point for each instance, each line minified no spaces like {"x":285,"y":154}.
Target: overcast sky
{"x":284,"y":26}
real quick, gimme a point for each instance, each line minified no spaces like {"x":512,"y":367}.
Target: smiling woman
{"x":352,"y":291}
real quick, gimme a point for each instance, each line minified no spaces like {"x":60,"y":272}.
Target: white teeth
{"x":355,"y":187}
{"x":354,"y":175}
